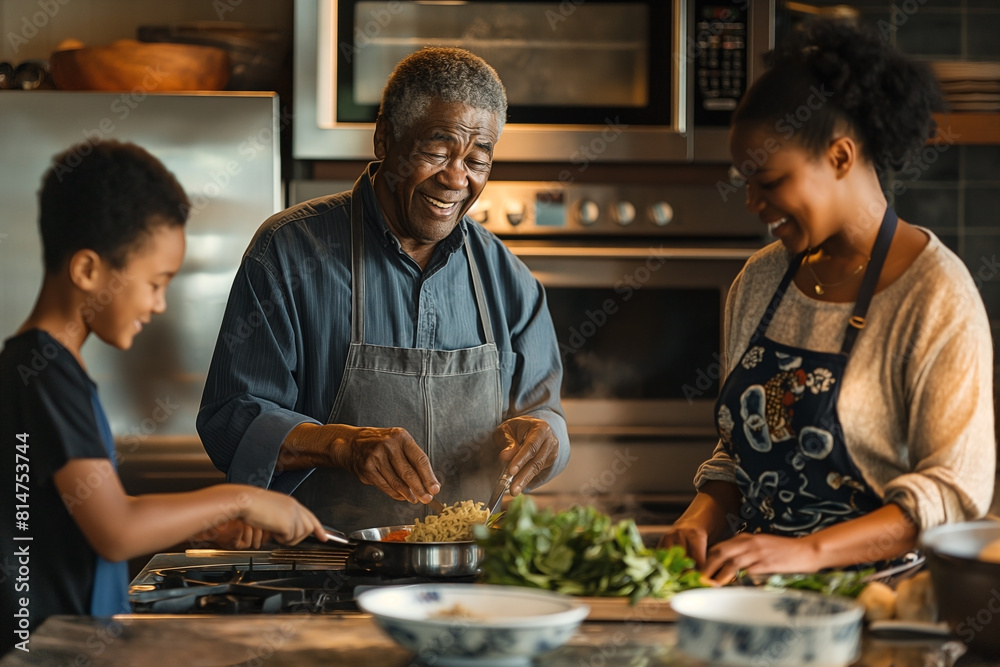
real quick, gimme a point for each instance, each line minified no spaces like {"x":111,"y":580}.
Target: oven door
{"x":640,"y":329}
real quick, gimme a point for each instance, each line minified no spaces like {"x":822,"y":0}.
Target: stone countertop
{"x":355,"y":641}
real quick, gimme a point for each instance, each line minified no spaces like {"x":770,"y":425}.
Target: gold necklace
{"x":820,"y":287}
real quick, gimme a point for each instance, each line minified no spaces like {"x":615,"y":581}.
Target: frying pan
{"x":422,"y":559}
{"x":403,"y":559}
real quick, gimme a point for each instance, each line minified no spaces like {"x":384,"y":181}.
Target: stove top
{"x":206,"y":581}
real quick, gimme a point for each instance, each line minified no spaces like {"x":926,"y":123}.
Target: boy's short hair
{"x":107,"y":197}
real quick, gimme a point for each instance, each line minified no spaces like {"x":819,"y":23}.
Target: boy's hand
{"x":233,"y":534}
{"x":285,"y":518}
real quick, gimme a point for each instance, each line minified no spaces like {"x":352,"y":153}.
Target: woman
{"x":858,"y":406}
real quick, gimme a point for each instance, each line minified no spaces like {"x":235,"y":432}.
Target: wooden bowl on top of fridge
{"x":128,"y":65}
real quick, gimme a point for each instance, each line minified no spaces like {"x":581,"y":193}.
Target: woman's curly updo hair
{"x":448,"y":74}
{"x":828,"y":77}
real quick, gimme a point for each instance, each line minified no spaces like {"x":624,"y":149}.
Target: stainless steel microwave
{"x":587,"y":81}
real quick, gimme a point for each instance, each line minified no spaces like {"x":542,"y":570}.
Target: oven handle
{"x":645,"y":432}
{"x":606,"y":252}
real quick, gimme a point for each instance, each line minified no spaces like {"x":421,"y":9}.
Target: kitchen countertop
{"x":355,"y":641}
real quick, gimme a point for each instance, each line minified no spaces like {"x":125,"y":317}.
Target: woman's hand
{"x":760,"y":554}
{"x":691,"y":535}
{"x":706,"y":519}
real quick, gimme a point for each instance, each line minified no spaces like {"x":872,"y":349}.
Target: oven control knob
{"x":480,"y":211}
{"x":588,"y":212}
{"x":623,"y":213}
{"x":661,"y":213}
{"x":515,"y":211}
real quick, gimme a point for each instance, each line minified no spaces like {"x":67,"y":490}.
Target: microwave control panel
{"x":720,"y":60}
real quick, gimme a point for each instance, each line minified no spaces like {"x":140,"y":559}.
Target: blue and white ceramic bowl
{"x":753,"y":626}
{"x":474,"y":624}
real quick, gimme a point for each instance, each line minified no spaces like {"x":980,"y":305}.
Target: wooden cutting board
{"x":619,"y":609}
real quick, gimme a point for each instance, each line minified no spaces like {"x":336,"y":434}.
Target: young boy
{"x":112,"y":226}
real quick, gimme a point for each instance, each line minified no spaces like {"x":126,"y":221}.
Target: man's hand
{"x":531,"y":447}
{"x":389,"y":459}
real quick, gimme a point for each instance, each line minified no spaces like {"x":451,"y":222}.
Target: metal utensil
{"x":436,"y":505}
{"x":334,"y":535}
{"x":501,"y":488}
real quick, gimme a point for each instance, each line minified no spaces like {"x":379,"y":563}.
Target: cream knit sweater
{"x":916,"y":403}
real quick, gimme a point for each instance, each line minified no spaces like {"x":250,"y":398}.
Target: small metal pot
{"x":420,"y":559}
{"x":967,"y":589}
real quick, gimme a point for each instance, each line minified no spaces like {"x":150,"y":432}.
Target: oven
{"x":610,"y":81}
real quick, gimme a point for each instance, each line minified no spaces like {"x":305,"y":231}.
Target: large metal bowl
{"x":420,"y":559}
{"x":967,"y":589}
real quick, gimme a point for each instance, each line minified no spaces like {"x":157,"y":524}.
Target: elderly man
{"x":379,"y":346}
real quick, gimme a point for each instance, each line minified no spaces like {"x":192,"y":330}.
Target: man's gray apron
{"x":448,"y":400}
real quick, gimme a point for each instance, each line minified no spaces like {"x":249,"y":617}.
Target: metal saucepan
{"x":421,"y":559}
{"x":967,"y":588}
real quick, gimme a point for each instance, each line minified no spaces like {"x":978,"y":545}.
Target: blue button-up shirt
{"x":287,"y":328}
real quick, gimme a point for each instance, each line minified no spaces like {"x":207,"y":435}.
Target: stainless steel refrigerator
{"x":223,"y":148}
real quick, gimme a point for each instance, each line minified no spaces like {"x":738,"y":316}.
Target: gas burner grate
{"x":238,"y":589}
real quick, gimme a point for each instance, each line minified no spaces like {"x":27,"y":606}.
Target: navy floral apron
{"x":777,"y":418}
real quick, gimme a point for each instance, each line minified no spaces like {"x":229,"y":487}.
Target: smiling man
{"x":380,"y":348}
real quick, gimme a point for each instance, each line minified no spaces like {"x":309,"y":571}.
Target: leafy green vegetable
{"x":836,"y":582}
{"x":580,"y":552}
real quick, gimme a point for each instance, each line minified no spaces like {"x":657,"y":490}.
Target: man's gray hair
{"x":451,"y":75}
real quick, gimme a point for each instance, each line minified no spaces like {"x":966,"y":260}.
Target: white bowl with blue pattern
{"x":754,"y":626}
{"x":474,"y":624}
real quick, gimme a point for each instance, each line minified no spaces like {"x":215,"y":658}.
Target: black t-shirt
{"x":47,"y":417}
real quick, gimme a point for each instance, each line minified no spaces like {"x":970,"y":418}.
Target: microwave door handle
{"x":683,"y":50}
